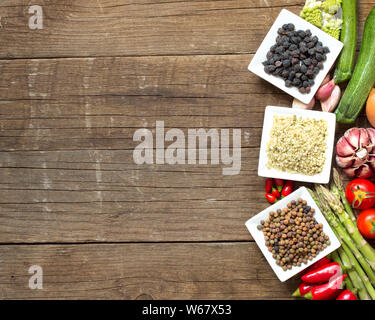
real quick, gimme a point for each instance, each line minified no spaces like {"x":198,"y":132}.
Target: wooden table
{"x":72,"y":199}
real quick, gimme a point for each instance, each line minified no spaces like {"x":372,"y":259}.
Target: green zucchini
{"x":348,"y":36}
{"x":363,"y":77}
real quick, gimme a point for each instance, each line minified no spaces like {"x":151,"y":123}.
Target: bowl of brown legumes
{"x":292,"y":234}
{"x":295,"y":56}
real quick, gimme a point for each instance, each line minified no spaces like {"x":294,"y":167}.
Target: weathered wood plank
{"x":69,"y":196}
{"x":82,"y":28}
{"x":164,"y":77}
{"x":131,"y":271}
{"x":66,"y":167}
{"x":97,"y":103}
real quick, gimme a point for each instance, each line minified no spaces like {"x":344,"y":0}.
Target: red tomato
{"x":360,"y":194}
{"x":366,"y":223}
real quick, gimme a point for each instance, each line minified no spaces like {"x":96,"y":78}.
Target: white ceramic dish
{"x":259,"y":238}
{"x":284,"y":17}
{"x":322,"y":177}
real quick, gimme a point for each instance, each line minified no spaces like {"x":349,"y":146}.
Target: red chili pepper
{"x":288,"y":189}
{"x":346,"y":295}
{"x":268,"y":185}
{"x":279,"y":184}
{"x":302,"y":289}
{"x":322,"y":274}
{"x":320,"y":263}
{"x":271,"y":198}
{"x":290,"y":183}
{"x":275,"y":192}
{"x":327,"y":291}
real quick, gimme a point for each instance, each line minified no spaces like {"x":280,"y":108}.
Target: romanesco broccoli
{"x":321,"y":14}
{"x":311,"y":12}
{"x":331,"y":25}
{"x":331,"y":6}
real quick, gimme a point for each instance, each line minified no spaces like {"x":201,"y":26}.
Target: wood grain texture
{"x":71,"y":198}
{"x":67,"y":142}
{"x":66,"y":136}
{"x":131,"y":271}
{"x":81,"y":28}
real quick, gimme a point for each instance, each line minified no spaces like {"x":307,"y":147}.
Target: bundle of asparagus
{"x":356,"y":255}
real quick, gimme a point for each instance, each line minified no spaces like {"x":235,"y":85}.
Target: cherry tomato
{"x":360,"y":194}
{"x":366,"y":223}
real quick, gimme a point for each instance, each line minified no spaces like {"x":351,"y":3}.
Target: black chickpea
{"x":296,"y":57}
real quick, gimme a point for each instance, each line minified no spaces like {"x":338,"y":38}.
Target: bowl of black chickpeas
{"x":295,"y":56}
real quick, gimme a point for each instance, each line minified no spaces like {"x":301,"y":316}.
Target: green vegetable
{"x":347,"y":245}
{"x":343,"y":234}
{"x":346,"y":268}
{"x":353,"y":275}
{"x":321,"y":14}
{"x":311,"y":12}
{"x":331,"y":6}
{"x":341,"y":191}
{"x":348,"y":36}
{"x":363,"y":246}
{"x":363,"y":78}
{"x":331,"y":25}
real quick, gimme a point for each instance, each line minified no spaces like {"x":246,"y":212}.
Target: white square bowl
{"x":284,"y":17}
{"x":259,"y":237}
{"x":322,"y":177}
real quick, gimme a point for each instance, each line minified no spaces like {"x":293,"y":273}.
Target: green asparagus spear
{"x":346,"y":269}
{"x":363,"y":246}
{"x":339,"y":230}
{"x":340,"y":187}
{"x":337,"y":225}
{"x":370,"y":289}
{"x":334,"y":189}
{"x":353,"y":275}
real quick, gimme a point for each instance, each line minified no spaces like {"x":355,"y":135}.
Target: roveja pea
{"x":293,"y":235}
{"x":296,"y":57}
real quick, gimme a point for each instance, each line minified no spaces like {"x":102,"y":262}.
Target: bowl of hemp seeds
{"x":297,"y":144}
{"x":292,"y":234}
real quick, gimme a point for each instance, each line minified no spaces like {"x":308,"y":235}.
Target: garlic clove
{"x":371,"y":134}
{"x":330,"y":104}
{"x":325,"y":80}
{"x":372,"y":163}
{"x":359,"y":162}
{"x":344,"y":162}
{"x":364,"y":171}
{"x":325,"y":91}
{"x":364,"y":139}
{"x":344,"y":148}
{"x":352,"y":136}
{"x":300,"y":105}
{"x":350,"y":171}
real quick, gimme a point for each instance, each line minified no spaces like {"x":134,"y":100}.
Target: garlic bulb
{"x":355,"y":152}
